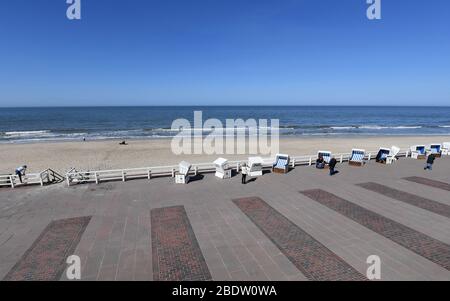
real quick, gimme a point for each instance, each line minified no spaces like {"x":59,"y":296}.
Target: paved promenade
{"x":304,"y":225}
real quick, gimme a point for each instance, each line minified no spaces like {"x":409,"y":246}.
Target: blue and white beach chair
{"x":326,"y":155}
{"x":357,"y":157}
{"x":418,"y":152}
{"x":435,"y":149}
{"x":281,"y":164}
{"x":382,"y":155}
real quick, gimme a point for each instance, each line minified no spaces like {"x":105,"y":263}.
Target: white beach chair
{"x":446,"y":148}
{"x":182,"y":176}
{"x":281,"y":164}
{"x":392,"y":157}
{"x":357,"y":157}
{"x":223,"y":170}
{"x":255,"y":165}
{"x":435,"y":149}
{"x":326,"y":155}
{"x":418,"y":152}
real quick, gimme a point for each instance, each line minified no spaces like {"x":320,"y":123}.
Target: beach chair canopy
{"x":184,"y":167}
{"x":281,"y":161}
{"x":435,"y":148}
{"x":255,"y":163}
{"x":394,"y":151}
{"x":221,"y":163}
{"x":357,"y":155}
{"x":446,"y":145}
{"x":326,"y":155}
{"x":420,"y":149}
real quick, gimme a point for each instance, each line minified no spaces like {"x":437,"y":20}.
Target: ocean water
{"x":18,"y":125}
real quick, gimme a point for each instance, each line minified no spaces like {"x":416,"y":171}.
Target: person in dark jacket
{"x":20,"y":172}
{"x":430,"y":161}
{"x":320,"y":162}
{"x":332,"y":165}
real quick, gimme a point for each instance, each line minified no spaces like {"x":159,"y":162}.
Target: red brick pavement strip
{"x":429,"y":182}
{"x":412,"y":199}
{"x":46,"y":259}
{"x":424,"y":245}
{"x":312,"y":258}
{"x":175,"y":251}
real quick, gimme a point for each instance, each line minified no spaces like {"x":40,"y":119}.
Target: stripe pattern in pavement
{"x":429,"y":182}
{"x":312,"y":258}
{"x":409,"y":198}
{"x":424,"y":245}
{"x":176,"y":253}
{"x":46,"y":259}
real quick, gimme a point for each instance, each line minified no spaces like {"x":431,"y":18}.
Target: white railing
{"x":73,"y":176}
{"x":41,"y":178}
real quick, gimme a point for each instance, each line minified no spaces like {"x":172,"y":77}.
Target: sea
{"x":24,"y":125}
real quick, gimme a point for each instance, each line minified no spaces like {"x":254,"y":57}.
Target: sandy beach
{"x":96,"y":155}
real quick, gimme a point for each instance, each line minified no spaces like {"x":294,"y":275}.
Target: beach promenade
{"x":304,"y":225}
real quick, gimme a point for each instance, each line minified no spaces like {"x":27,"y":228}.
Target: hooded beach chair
{"x":326,"y":155}
{"x":223,"y":170}
{"x":435,"y":149}
{"x":357,"y":157}
{"x":255,"y":166}
{"x":182,"y":176}
{"x":387,"y":155}
{"x":418,"y":152}
{"x":446,"y":148}
{"x":281,"y":164}
{"x":382,"y":155}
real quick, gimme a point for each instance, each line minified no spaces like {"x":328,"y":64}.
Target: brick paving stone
{"x":312,"y":258}
{"x":429,"y":182}
{"x":175,"y":250}
{"x":409,"y":198}
{"x":45,"y":260}
{"x":424,"y":245}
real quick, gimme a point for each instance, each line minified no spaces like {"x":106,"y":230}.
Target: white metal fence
{"x":42,"y":178}
{"x":74,"y":177}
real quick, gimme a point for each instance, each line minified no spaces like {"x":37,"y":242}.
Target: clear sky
{"x":224,"y":52}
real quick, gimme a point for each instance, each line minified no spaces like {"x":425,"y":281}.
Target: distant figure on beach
{"x":430,"y":161}
{"x":123,"y":143}
{"x":84,"y":139}
{"x":20,"y":171}
{"x":320,"y":162}
{"x":244,"y":173}
{"x":332,"y":165}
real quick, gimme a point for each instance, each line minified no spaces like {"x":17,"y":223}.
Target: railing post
{"x":11,"y":179}
{"x":238,"y":166}
{"x":195,"y":170}
{"x":173,"y":172}
{"x":123,"y":176}
{"x":42,"y":181}
{"x":149,"y":174}
{"x":293,"y":162}
{"x":96,"y":178}
{"x":310,"y":161}
{"x":370,"y":156}
{"x":68,"y":180}
{"x":342,"y":158}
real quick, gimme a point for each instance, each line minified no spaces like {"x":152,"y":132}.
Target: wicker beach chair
{"x":418,"y":152}
{"x":357,"y":157}
{"x":435,"y":149}
{"x":223,"y":170}
{"x":255,"y":166}
{"x":182,"y":176}
{"x":281,"y":164}
{"x":326,"y":155}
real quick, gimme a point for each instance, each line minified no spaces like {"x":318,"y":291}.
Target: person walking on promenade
{"x":332,"y":165}
{"x":430,"y":161}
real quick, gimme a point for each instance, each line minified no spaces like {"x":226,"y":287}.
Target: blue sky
{"x":224,"y":52}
